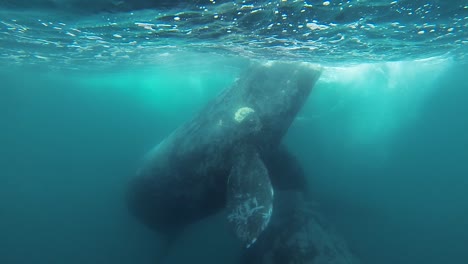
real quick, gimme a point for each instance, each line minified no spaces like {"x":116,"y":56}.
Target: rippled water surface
{"x":67,"y":34}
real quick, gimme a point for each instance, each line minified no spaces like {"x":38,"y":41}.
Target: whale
{"x":227,"y":156}
{"x":298,"y":233}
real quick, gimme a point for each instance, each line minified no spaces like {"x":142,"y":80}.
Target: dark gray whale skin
{"x":298,"y":233}
{"x":220,"y":158}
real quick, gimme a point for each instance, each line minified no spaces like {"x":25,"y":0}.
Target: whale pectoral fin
{"x":249,"y":196}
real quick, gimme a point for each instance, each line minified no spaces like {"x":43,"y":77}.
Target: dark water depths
{"x":87,"y":89}
{"x":384,"y":147}
{"x":398,"y":190}
{"x":69,"y":146}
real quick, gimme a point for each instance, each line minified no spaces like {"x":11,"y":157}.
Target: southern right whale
{"x":217,"y":159}
{"x":298,"y":233}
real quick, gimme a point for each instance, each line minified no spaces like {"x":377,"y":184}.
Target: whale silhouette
{"x":227,"y":155}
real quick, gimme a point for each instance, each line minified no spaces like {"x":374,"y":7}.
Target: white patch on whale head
{"x":242,"y":113}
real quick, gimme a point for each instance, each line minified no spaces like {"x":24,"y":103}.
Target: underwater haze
{"x":87,"y":88}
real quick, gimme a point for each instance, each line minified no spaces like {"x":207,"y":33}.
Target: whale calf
{"x":219,"y":159}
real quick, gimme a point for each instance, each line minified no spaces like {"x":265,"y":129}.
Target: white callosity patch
{"x":242,"y":113}
{"x":242,"y":214}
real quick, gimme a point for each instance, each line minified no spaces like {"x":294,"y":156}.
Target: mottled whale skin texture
{"x":298,"y":234}
{"x":221,"y":158}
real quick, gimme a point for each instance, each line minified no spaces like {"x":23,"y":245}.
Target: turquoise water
{"x":87,"y":89}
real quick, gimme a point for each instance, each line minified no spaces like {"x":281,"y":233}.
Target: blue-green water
{"x":86,"y":90}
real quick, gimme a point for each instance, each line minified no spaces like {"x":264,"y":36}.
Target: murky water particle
{"x":450,"y":29}
{"x":421,"y":32}
{"x":326,"y":3}
{"x":176,"y":18}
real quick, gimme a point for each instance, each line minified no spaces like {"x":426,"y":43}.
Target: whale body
{"x":298,"y":233}
{"x":226,"y":155}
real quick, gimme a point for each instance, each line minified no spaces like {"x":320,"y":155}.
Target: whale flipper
{"x":249,"y":196}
